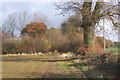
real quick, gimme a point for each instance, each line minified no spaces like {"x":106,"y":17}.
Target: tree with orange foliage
{"x":34,"y":29}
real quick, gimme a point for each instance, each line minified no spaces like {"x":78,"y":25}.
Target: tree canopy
{"x":34,"y":29}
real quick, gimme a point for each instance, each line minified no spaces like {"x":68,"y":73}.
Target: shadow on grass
{"x":56,"y":60}
{"x":77,"y":65}
{"x":18,"y":59}
{"x":58,"y":75}
{"x":110,"y":68}
{"x":24,"y":59}
{"x":101,"y":70}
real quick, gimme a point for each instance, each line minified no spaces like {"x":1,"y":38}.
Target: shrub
{"x":31,"y":45}
{"x":24,"y":45}
{"x":9,"y":47}
{"x":57,"y":40}
{"x":63,"y":42}
{"x":76,"y":42}
{"x":47,"y":44}
{"x":97,"y":49}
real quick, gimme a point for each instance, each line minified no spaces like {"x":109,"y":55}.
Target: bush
{"x":47,"y":44}
{"x":9,"y":48}
{"x":32,"y":45}
{"x":58,"y":40}
{"x":24,"y":45}
{"x":96,"y":50}
{"x":76,"y":42}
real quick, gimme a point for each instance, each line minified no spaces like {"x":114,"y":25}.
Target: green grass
{"x":113,"y":49}
{"x":70,"y":66}
{"x":81,"y":65}
{"x":63,"y":65}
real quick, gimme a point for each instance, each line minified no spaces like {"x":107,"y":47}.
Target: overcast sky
{"x":46,"y":8}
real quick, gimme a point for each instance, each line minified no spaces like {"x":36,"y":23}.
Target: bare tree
{"x":10,"y":25}
{"x":38,"y":17}
{"x":23,"y":19}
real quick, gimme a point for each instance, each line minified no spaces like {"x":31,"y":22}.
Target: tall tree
{"x":90,"y":16}
{"x":10,"y":24}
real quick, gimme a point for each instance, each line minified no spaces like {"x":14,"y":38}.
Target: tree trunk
{"x":89,"y":38}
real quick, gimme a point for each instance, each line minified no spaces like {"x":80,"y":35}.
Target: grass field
{"x":52,"y":66}
{"x":34,"y":66}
